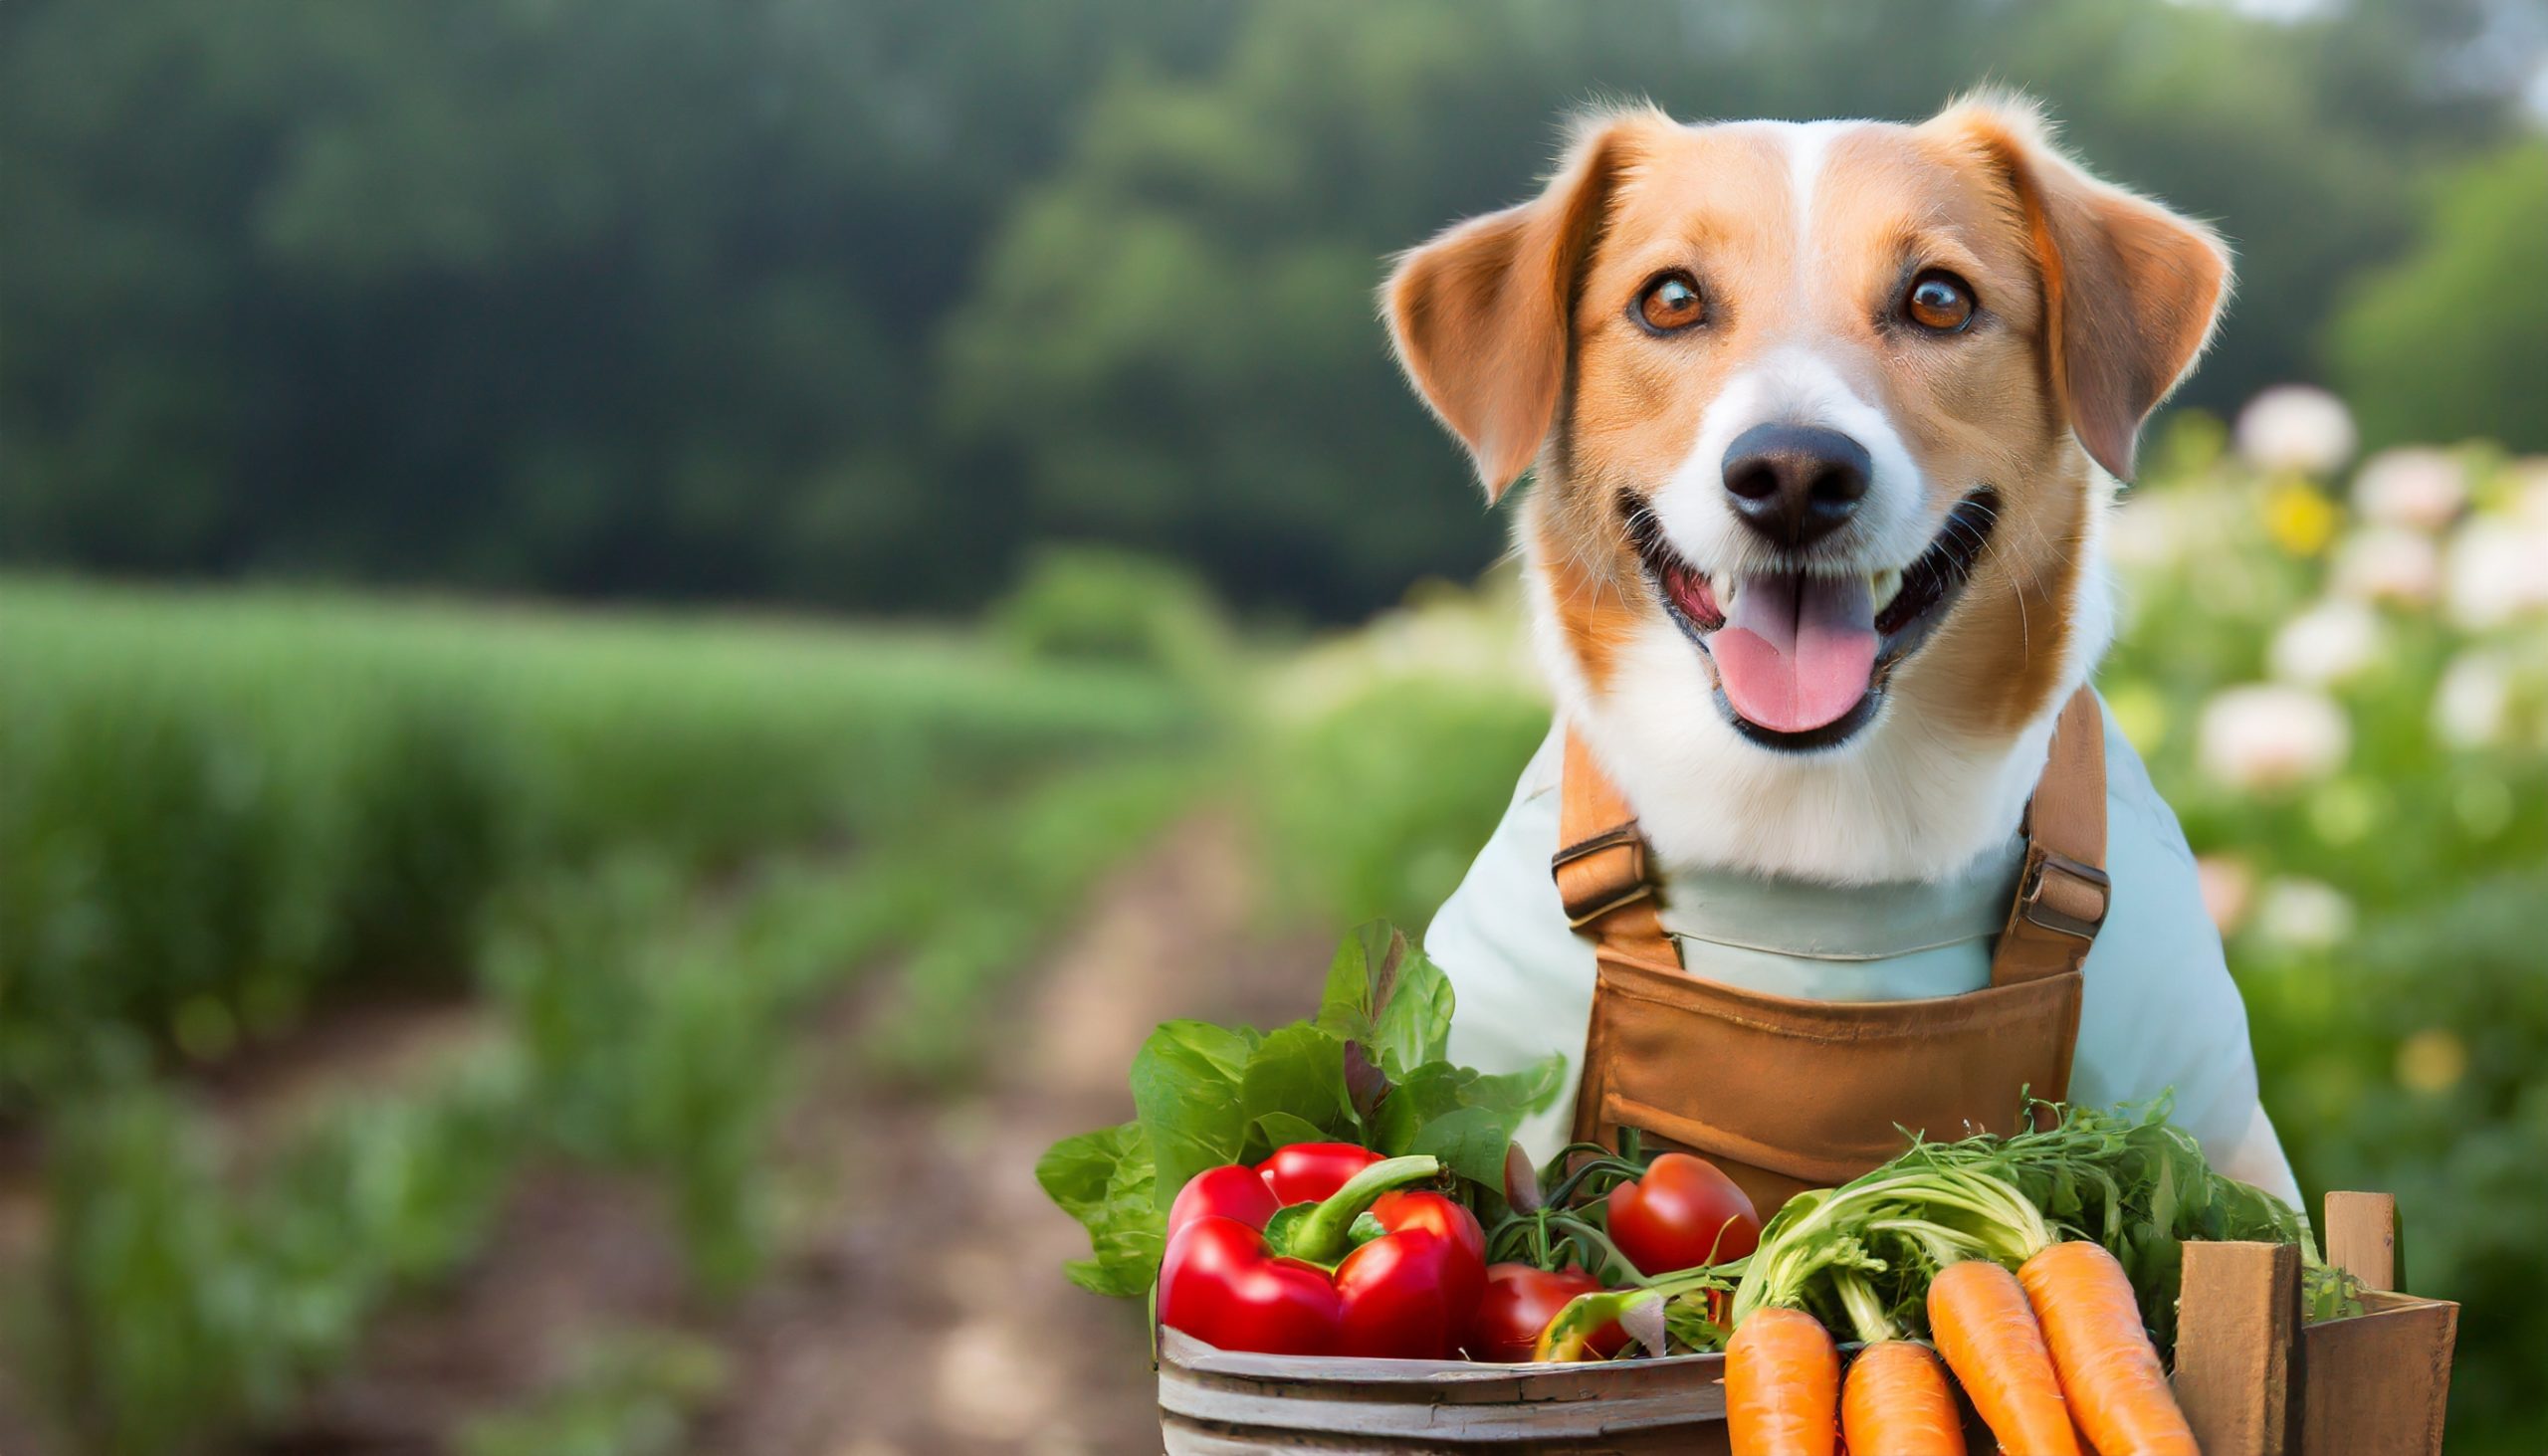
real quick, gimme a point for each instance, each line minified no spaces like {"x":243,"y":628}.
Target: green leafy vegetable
{"x":1298,"y":1071}
{"x":1187,"y":1087}
{"x":1413,"y":1026}
{"x":1104,"y":1180}
{"x":1369,"y":1070}
{"x":1470,"y":1141}
{"x":2126,"y":1178}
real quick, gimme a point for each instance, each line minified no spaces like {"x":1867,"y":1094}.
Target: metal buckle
{"x":1584,"y":849}
{"x":1625,"y":837}
{"x":2031,"y":902}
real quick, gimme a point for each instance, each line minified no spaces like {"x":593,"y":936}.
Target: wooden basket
{"x":1214,"y":1402}
{"x":2253,"y":1381}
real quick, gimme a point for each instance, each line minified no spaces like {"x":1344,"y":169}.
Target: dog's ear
{"x":1479,"y":315}
{"x":2131,"y":289}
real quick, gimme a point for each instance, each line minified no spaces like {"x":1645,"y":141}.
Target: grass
{"x":217,"y":807}
{"x":649,"y":846}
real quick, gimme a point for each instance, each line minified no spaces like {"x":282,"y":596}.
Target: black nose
{"x":1795,"y":484}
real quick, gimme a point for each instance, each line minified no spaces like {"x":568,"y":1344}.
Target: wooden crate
{"x":2256,"y":1382}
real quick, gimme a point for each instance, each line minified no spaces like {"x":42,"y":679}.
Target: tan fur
{"x":2135,"y":288}
{"x":1478,"y":315}
{"x":2095,"y":302}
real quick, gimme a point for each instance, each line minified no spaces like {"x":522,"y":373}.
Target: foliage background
{"x":851,"y":303}
{"x":603,"y":523}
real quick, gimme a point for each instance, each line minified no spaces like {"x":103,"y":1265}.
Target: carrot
{"x":1896,"y":1403}
{"x":1781,"y":1386}
{"x":1990,"y":1337}
{"x":2103,"y":1355}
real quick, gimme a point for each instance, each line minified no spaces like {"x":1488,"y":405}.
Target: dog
{"x":1824,"y":422}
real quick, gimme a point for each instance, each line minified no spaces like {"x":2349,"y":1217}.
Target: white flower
{"x":2499,"y":570}
{"x":2386,"y":564}
{"x":2308,"y":915}
{"x":2326,"y":644}
{"x":2529,"y":477}
{"x":2268,"y":735}
{"x":2145,"y":531}
{"x":2472,"y":704}
{"x":2229,"y":887}
{"x":2296,"y":427}
{"x":2419,"y":488}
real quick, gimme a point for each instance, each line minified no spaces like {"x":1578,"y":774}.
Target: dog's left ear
{"x":2131,"y":289}
{"x":1478,"y":315}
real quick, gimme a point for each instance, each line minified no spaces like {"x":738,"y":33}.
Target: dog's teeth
{"x":1885,"y":586}
{"x":1722,"y":588}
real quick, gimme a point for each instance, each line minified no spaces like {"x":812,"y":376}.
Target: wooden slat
{"x":1182,"y":1437}
{"x":2362,"y":1238}
{"x":2235,"y":1330}
{"x":1214,"y":1400}
{"x":2378,"y":1382}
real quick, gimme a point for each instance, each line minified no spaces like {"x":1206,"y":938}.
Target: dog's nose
{"x":1795,"y":484}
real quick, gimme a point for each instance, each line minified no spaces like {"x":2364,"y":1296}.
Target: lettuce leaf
{"x":1369,"y":1069}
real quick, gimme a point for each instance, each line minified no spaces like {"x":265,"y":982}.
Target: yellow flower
{"x":2141,"y":712}
{"x":2299,"y":518}
{"x":2432,"y":1060}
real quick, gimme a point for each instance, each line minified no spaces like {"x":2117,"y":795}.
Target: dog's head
{"x":1815,"y":406}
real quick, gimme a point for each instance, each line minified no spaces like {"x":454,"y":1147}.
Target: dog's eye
{"x":1671,"y":303}
{"x":1938,"y":302}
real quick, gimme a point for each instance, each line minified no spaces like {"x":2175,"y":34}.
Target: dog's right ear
{"x":1479,"y":315}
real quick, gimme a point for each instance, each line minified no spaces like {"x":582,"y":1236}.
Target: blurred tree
{"x":848,"y":303}
{"x":596,"y":296}
{"x":2453,"y":341}
{"x":1175,"y":333}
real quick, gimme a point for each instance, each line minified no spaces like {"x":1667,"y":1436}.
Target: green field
{"x":219,"y":808}
{"x":640,"y":844}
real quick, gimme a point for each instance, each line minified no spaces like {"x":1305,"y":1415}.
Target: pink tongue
{"x":1797,"y":652}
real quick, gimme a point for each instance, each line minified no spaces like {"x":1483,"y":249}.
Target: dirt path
{"x":939,"y":1322}
{"x":917,"y":1305}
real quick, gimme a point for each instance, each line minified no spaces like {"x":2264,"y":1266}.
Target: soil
{"x":917,"y":1305}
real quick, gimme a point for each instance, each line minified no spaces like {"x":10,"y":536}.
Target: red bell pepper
{"x":1366,"y":1271}
{"x":1235,"y":1191}
{"x":1305,"y":1173}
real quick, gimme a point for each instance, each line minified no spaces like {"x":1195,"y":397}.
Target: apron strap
{"x":2062,"y":892}
{"x":1601,"y":869}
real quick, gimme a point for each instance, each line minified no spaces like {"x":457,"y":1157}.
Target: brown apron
{"x":1787,"y":1095}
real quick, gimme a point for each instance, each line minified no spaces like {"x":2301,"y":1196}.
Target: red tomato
{"x":1682,"y":1214}
{"x":1234,"y":1191}
{"x":1305,"y":1173}
{"x":1518,"y":1304}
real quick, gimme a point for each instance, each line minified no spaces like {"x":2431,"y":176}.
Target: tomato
{"x":1305,"y":1173}
{"x":1683,"y":1213}
{"x":1518,"y":1304}
{"x":1228,"y":1192}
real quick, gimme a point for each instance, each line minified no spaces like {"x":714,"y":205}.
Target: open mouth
{"x":1801,"y":658}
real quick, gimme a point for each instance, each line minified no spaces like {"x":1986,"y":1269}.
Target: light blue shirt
{"x":2159,"y":1010}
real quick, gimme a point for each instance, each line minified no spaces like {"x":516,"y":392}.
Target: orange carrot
{"x":2102,"y":1354}
{"x":1990,"y":1339}
{"x":1781,"y":1386}
{"x":1896,"y":1403}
